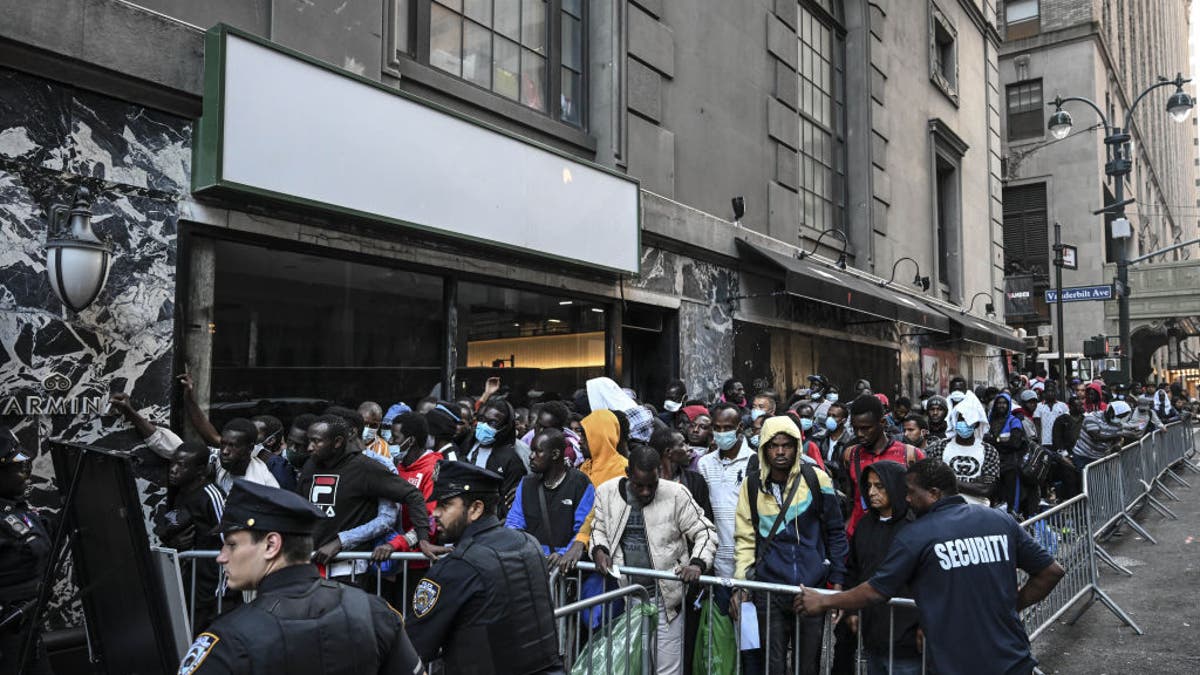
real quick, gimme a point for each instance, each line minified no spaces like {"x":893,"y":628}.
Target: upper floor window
{"x":943,"y":53}
{"x":1025,"y":110}
{"x":530,"y":52}
{"x":1022,"y":19}
{"x":822,"y":115}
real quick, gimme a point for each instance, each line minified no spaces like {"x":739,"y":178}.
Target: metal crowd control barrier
{"x":1121,"y":483}
{"x":762,"y":594}
{"x":1065,"y":531}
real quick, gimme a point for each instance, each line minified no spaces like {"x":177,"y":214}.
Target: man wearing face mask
{"x":976,"y":463}
{"x":764,"y":405}
{"x":298,"y":623}
{"x":270,"y":450}
{"x":415,"y":464}
{"x":296,"y":446}
{"x":495,"y":448}
{"x":822,"y":410}
{"x":673,"y":403}
{"x":724,"y":471}
{"x":371,"y":414}
{"x":803,"y":416}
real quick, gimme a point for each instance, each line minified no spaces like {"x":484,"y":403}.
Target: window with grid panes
{"x":1025,"y":110}
{"x":527,"y":51}
{"x":822,"y":115}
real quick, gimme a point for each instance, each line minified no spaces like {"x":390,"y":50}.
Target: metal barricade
{"x":599,"y":650}
{"x":1065,"y":531}
{"x":787,"y":642}
{"x":1103,"y":485}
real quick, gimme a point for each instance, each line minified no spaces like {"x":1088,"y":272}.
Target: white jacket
{"x":676,"y":530}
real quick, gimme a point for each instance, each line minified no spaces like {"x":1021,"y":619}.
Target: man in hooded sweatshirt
{"x":789,"y":530}
{"x":888,"y":515}
{"x":937,"y":410}
{"x":1100,"y":431}
{"x":976,"y":463}
{"x":1007,"y":434}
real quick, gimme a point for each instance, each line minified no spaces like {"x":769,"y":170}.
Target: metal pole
{"x":1063,"y":376}
{"x":1118,"y":168}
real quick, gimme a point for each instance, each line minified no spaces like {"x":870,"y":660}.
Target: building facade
{"x":316,"y":202}
{"x":1107,"y":51}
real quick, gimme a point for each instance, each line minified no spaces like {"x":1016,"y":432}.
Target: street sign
{"x":1070,"y":257}
{"x":1081,"y":293}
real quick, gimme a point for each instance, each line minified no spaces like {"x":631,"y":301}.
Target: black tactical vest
{"x":513,"y":632}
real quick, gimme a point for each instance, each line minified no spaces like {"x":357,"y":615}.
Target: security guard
{"x":299,"y":623}
{"x":485,"y":607}
{"x":24,"y":553}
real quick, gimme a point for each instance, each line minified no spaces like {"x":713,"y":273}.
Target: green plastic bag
{"x":716,"y":648}
{"x":617,"y":648}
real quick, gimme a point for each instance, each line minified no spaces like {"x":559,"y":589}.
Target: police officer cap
{"x":452,"y":479}
{"x":251,"y":506}
{"x":10,"y":448}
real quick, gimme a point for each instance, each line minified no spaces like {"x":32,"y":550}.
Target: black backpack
{"x":754,"y":485}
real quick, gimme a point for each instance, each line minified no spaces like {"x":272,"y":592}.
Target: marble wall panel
{"x":136,"y":164}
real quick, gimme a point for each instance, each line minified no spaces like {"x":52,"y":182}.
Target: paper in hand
{"x":748,"y":626}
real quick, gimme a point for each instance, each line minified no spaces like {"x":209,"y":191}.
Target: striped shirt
{"x":724,"y":478}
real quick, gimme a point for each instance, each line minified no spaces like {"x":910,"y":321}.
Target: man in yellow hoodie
{"x":789,"y":530}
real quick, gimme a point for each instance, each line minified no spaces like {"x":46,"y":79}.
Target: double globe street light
{"x":1118,"y":166}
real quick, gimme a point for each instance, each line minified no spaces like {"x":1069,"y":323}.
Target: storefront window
{"x":294,"y":333}
{"x":533,"y":342}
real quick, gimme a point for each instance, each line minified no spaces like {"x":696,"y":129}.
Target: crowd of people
{"x":803,"y":489}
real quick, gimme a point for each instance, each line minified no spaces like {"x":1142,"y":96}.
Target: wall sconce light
{"x":77,"y":262}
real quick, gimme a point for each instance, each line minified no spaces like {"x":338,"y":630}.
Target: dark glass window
{"x":1025,"y":110}
{"x":294,"y":332}
{"x":532,"y":341}
{"x":528,"y":51}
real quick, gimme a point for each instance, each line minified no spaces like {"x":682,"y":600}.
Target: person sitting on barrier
{"x":1101,"y":433}
{"x":960,"y":560}
{"x":789,"y":531}
{"x":976,"y":463}
{"x":186,"y":521}
{"x":888,"y":515}
{"x":641,"y":521}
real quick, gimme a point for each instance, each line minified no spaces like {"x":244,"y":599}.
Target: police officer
{"x":299,"y":623}
{"x":485,"y":607}
{"x":24,"y":553}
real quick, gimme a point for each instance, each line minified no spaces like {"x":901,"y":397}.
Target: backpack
{"x":754,"y":485}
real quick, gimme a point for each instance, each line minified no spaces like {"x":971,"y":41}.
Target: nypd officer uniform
{"x":299,"y":623}
{"x":24,"y":553}
{"x":485,"y":607}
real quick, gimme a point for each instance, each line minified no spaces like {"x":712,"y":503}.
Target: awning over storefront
{"x":973,"y":329}
{"x":812,"y":280}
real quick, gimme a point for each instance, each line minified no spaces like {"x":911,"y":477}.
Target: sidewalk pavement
{"x":1162,"y":597}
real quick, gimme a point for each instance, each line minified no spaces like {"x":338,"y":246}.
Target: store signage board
{"x":282,"y":126}
{"x":1082,"y":293}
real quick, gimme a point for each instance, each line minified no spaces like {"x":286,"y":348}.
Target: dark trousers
{"x":10,"y":654}
{"x":777,"y":625}
{"x":1020,"y":494}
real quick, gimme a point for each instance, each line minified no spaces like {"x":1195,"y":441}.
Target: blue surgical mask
{"x":832,"y":397}
{"x":725,"y":439}
{"x":386,"y":435}
{"x":831,"y":424}
{"x":754,"y":441}
{"x":963,"y":429}
{"x":755,"y":413}
{"x":485,"y":434}
{"x":368,"y":434}
{"x":805,"y":423}
{"x":395,"y":450}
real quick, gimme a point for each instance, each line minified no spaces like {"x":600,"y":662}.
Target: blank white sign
{"x":303,"y":131}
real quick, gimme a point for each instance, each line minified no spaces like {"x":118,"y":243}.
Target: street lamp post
{"x":1119,"y":164}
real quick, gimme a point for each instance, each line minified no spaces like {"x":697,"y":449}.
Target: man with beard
{"x":936,"y":409}
{"x":486,"y":607}
{"x":187,"y":521}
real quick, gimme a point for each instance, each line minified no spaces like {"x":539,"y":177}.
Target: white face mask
{"x":672,"y":406}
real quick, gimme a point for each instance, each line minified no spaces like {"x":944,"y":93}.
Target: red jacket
{"x":895,"y":451}
{"x":420,"y":475}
